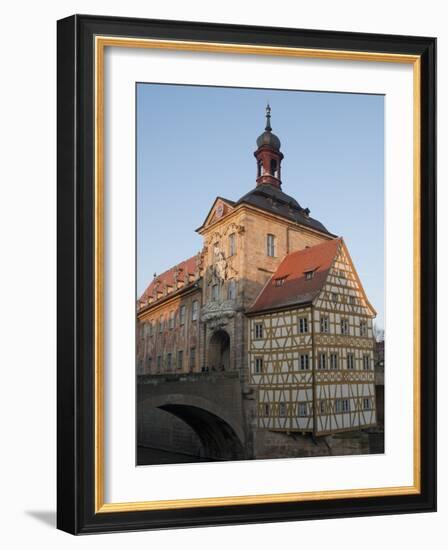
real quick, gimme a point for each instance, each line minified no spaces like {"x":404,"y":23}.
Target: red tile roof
{"x":295,"y":288}
{"x":168,"y":277}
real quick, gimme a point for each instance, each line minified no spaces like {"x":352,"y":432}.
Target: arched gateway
{"x":219,"y":351}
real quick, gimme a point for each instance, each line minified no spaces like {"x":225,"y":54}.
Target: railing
{"x":210,"y":376}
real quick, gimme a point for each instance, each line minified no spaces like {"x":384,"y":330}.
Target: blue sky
{"x":194,"y":143}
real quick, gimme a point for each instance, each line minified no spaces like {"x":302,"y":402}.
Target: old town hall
{"x":274,"y":300}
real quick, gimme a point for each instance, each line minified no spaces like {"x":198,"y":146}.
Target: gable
{"x":220,"y":208}
{"x":343,"y":291}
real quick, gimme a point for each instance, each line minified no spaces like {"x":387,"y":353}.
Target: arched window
{"x":259,"y":168}
{"x":274,"y":170}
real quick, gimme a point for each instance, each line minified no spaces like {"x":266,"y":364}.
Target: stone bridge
{"x":210,"y":403}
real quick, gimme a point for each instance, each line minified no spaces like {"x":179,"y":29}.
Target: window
{"x":333,"y":361}
{"x":231,"y":289}
{"x":232,"y":244}
{"x":260,"y":168}
{"x":352,"y":300}
{"x":322,"y":407}
{"x":334,"y":296}
{"x":215,"y":292}
{"x":366,"y":404}
{"x":266,"y":410}
{"x":309,"y":275}
{"x":159,"y":363}
{"x":304,"y":361}
{"x":171,"y":322}
{"x":322,"y":364}
{"x":324,"y":324}
{"x":180,"y":359}
{"x":182,"y":311}
{"x":301,"y":410}
{"x":366,"y":362}
{"x":258,"y":365}
{"x":192,"y":358}
{"x":274,"y":171}
{"x":303,"y":324}
{"x":194,"y":310}
{"x":169,"y":362}
{"x":363,"y":328}
{"x":270,"y":244}
{"x":342,"y":405}
{"x":344,"y":326}
{"x":350,"y":361}
{"x":151,"y":328}
{"x":161,"y":324}
{"x":280,"y":281}
{"x":282,"y":409}
{"x":258,"y":331}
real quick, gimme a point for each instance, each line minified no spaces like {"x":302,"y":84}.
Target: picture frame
{"x":82,"y":41}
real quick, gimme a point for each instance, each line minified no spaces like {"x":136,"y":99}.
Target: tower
{"x":268,"y":155}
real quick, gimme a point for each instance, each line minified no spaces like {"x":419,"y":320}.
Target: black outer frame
{"x":75,"y":310}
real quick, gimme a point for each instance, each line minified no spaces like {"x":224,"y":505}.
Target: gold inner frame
{"x":101,"y":42}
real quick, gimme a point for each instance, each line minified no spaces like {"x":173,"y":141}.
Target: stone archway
{"x":219,"y":351}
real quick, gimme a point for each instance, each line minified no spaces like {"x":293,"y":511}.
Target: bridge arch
{"x":222,"y":438}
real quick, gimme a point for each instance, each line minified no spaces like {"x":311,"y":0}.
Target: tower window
{"x":270,"y":245}
{"x":259,"y":168}
{"x":274,"y":171}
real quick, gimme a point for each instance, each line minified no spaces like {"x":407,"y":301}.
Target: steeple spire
{"x":268,"y":118}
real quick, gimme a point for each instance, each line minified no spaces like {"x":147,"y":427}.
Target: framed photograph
{"x":246,"y":274}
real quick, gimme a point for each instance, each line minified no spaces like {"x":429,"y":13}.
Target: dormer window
{"x":280,"y":281}
{"x":309,"y":275}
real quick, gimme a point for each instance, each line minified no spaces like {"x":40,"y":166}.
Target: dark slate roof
{"x":296,"y":289}
{"x":272,"y":199}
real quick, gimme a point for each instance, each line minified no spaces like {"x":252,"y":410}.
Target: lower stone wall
{"x":161,"y":430}
{"x":269,"y":444}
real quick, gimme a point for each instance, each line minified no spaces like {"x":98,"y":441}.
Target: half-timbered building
{"x":311,"y":345}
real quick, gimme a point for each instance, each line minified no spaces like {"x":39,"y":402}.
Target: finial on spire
{"x":268,"y":118}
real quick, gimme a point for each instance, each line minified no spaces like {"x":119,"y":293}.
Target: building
{"x":274,"y":296}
